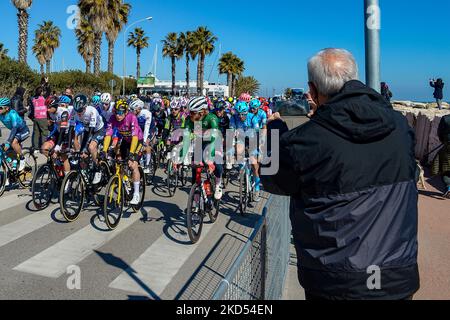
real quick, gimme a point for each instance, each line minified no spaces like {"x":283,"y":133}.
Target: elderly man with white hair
{"x":350,"y":174}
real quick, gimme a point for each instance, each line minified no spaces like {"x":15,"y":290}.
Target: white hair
{"x":330,"y":69}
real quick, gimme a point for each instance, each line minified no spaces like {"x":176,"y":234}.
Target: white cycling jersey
{"x":62,"y":117}
{"x":145,"y":121}
{"x":90,"y":119}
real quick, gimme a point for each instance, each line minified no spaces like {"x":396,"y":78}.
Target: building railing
{"x":260,"y":270}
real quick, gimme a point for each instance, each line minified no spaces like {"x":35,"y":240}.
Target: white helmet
{"x":198,"y":104}
{"x":106,"y":98}
{"x":156,"y":95}
{"x":137,"y":104}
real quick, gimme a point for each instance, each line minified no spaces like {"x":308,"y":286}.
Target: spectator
{"x":69,"y":93}
{"x":46,"y":90}
{"x":441,"y":164}
{"x":438,"y":94}
{"x":17,"y":102}
{"x":38,"y":114}
{"x":386,"y":92}
{"x":350,"y":175}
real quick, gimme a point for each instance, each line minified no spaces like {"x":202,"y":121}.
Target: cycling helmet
{"x":80,"y":102}
{"x":64,"y":100}
{"x":121,"y":105}
{"x":175,"y":103}
{"x":106,"y":98}
{"x":52,"y":102}
{"x":133,"y":97}
{"x":241,"y":107}
{"x":156,"y":96}
{"x":230,"y":99}
{"x":198,"y":104}
{"x":245,"y":97}
{"x":220,"y":106}
{"x":184,"y":102}
{"x":96,"y":100}
{"x":136,"y":104}
{"x":5,"y":102}
{"x":255,"y":104}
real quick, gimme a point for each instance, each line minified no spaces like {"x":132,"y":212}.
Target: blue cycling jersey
{"x":261,"y":118}
{"x":12,"y":120}
{"x":249,"y":123}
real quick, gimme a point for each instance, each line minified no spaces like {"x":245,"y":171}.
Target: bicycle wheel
{"x":243,"y":192}
{"x":99,"y":195}
{"x":226,"y":178}
{"x":3,"y":178}
{"x":71,"y":197}
{"x":172,"y":179}
{"x":184,"y":175}
{"x":142,"y":188}
{"x":44,"y":187}
{"x":194,"y":214}
{"x":113,"y":204}
{"x":213,"y":211}
{"x":25,"y":177}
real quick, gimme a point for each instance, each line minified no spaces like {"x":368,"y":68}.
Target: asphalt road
{"x":148,"y":256}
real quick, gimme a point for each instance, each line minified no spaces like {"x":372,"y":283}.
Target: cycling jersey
{"x":127,"y":128}
{"x":105,"y":114}
{"x":224,"y":125}
{"x":249,"y":123}
{"x":90,"y":119}
{"x":16,"y":124}
{"x":261,"y":117}
{"x":145,"y":122}
{"x":209,"y":122}
{"x":173,"y":123}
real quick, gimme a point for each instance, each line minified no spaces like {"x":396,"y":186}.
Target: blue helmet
{"x":5,"y":102}
{"x":255,"y":104}
{"x":65,"y":100}
{"x":96,"y":100}
{"x":241,"y":107}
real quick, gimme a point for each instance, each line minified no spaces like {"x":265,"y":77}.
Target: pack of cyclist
{"x":129,"y":129}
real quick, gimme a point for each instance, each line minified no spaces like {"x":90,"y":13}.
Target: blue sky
{"x":274,"y":38}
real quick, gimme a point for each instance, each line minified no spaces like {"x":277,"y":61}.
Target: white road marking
{"x":53,"y":262}
{"x":157,"y":266}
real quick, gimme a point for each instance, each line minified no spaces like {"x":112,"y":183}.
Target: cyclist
{"x":198,"y":108}
{"x":145,"y":120}
{"x":93,"y":133}
{"x":255,"y":109}
{"x":224,"y":124}
{"x":243,"y":123}
{"x":19,"y":130}
{"x":174,"y":122}
{"x":105,"y":109}
{"x":61,"y":132}
{"x":126,"y":124}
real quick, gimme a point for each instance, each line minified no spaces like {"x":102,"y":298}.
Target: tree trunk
{"x":42,"y":69}
{"x":138,"y":65}
{"x":48,"y":67}
{"x":88,"y":66}
{"x":23,"y":35}
{"x":234,"y":86}
{"x":202,"y":72}
{"x":97,"y":53}
{"x":110,"y":56}
{"x":230,"y":83}
{"x":199,"y":68}
{"x":173,"y":75}
{"x":187,"y":75}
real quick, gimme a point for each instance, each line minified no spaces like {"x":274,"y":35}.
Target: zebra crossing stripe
{"x":53,"y":261}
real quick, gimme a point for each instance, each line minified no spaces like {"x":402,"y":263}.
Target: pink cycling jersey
{"x":127,"y":128}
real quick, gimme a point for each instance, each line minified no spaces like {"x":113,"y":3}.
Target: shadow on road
{"x":120,"y":264}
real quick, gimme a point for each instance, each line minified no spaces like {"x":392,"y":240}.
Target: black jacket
{"x":350,"y":173}
{"x":17,"y":104}
{"x":444,"y":129}
{"x":438,"y":90}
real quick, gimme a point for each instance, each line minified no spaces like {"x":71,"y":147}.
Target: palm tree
{"x":47,"y":37}
{"x":119,"y":13}
{"x":247,"y":84}
{"x":86,"y":42}
{"x":203,"y":45}
{"x":39,"y":52}
{"x":232,"y":66}
{"x":22,"y":15}
{"x":138,"y":40}
{"x":185,"y":41}
{"x":3,"y":52}
{"x":172,"y":49}
{"x":97,"y":14}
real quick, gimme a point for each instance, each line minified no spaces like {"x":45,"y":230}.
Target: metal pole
{"x":372,"y":38}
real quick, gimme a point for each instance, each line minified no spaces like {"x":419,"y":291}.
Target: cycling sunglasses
{"x":120,"y":112}
{"x":244,"y":114}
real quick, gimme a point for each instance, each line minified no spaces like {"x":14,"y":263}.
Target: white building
{"x":150,"y":85}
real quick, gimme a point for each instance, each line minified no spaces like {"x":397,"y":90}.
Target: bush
{"x":14,"y":74}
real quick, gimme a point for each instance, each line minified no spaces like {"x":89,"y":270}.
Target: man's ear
{"x":313,"y":91}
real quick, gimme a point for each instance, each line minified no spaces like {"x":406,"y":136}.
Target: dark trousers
{"x":40,"y":132}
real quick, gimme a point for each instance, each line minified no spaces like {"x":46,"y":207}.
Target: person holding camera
{"x":438,"y":86}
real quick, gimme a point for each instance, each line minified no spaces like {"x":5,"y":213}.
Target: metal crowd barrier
{"x":260,"y":270}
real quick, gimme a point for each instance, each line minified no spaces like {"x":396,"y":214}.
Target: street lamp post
{"x":124,"y":47}
{"x":372,"y":37}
